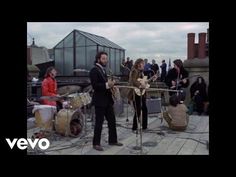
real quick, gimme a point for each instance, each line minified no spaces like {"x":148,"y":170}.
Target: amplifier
{"x":118,"y":107}
{"x":153,"y":105}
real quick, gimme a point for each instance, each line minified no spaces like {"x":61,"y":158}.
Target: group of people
{"x":126,"y":67}
{"x":177,"y":118}
{"x":150,"y":69}
{"x":177,"y":78}
{"x":104,"y":109}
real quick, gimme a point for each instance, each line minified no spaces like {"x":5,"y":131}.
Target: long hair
{"x":178,"y":63}
{"x":49,"y":71}
{"x":98,"y":56}
{"x":203,"y":80}
{"x":137,"y":62}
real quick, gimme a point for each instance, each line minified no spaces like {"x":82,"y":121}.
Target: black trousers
{"x":137,"y":108}
{"x":199,"y":104}
{"x":163,"y":77}
{"x":108,"y":113}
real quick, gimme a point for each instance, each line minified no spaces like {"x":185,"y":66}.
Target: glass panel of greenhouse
{"x":78,"y":49}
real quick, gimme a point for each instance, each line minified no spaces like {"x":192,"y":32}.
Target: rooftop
{"x":157,"y":140}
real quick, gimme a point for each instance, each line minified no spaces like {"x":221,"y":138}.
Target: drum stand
{"x":127,"y":119}
{"x":85,"y":120}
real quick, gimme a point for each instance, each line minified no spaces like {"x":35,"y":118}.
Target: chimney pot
{"x":202,"y":46}
{"x":191,"y":45}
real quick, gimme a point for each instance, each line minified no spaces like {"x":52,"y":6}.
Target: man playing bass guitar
{"x":103,"y":102}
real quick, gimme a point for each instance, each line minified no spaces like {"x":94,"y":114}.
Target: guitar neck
{"x":151,"y":78}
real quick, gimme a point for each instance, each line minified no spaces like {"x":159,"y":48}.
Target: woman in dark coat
{"x":198,"y":94}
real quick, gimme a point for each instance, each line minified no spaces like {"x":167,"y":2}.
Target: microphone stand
{"x":141,"y":122}
{"x":85,"y":119}
{"x":127,"y":117}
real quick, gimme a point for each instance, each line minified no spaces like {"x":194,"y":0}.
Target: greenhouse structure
{"x":78,"y":49}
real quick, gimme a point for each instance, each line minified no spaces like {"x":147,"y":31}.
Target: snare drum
{"x":44,"y":116}
{"x":69,"y":122}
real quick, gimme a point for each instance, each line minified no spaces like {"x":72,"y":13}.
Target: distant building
{"x":37,"y":55}
{"x":38,"y":59}
{"x":51,"y":54}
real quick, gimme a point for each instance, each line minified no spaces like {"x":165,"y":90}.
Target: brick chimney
{"x":207,"y":35}
{"x":202,"y":46}
{"x":191,"y":46}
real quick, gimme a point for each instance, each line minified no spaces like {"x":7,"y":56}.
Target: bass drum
{"x":69,"y":122}
{"x":44,"y":115}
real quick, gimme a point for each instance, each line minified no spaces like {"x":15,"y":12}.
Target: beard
{"x":103,"y":64}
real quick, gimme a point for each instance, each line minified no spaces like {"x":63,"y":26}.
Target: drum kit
{"x":69,"y":121}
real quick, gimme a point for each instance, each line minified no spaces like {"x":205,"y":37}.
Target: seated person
{"x":199,"y":95}
{"x":49,"y":88}
{"x":176,"y":115}
{"x":206,"y":105}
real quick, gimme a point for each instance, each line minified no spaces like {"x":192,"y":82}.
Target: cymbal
{"x":80,"y":70}
{"x":68,"y":89}
{"x":51,"y":98}
{"x":88,"y":88}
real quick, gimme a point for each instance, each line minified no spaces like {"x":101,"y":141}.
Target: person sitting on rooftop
{"x":176,"y":115}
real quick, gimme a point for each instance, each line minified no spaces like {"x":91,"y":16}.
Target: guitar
{"x":180,"y":83}
{"x":144,"y":81}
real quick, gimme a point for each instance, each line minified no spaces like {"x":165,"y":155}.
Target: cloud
{"x":155,"y":40}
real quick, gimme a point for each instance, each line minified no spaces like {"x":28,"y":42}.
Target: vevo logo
{"x":23,"y":143}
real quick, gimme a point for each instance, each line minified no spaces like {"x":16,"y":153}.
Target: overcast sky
{"x":154,"y":40}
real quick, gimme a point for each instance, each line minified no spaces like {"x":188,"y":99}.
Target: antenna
{"x":33,"y":43}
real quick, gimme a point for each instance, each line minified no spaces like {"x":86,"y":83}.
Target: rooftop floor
{"x":157,"y":140}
